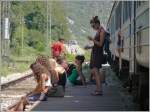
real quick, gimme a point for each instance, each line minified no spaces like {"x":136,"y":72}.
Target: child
{"x":65,"y":65}
{"x":59,"y":71}
{"x":39,"y":93}
{"x":77,"y":72}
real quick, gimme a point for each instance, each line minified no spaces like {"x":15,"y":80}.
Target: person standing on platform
{"x":58,"y":49}
{"x":97,"y":53}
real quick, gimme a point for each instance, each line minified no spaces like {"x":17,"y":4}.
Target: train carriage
{"x":132,"y":18}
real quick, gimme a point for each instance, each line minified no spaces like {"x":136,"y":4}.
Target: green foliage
{"x":70,"y":57}
{"x":35,"y":20}
{"x":36,"y":40}
{"x":59,"y":22}
{"x":29,"y":24}
{"x":18,"y":67}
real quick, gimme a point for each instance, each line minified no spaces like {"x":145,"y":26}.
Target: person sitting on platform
{"x":63,"y":62}
{"x":57,"y":73}
{"x":43,"y":80}
{"x":77,"y":72}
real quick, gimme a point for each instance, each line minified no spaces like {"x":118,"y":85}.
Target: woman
{"x":57,"y":73}
{"x":43,"y":80}
{"x":75,"y":71}
{"x":97,"y":53}
{"x":44,"y":60}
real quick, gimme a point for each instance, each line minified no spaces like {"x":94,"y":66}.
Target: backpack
{"x":106,"y":42}
{"x":56,"y":91}
{"x":106,"y":48}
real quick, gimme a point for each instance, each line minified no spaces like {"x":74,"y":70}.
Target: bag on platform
{"x":56,"y":91}
{"x":104,"y":60}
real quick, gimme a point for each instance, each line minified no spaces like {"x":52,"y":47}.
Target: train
{"x":132,"y":19}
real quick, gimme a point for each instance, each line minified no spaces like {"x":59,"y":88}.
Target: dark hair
{"x":61,"y":39}
{"x":60,"y":60}
{"x":80,"y":57}
{"x":95,"y":20}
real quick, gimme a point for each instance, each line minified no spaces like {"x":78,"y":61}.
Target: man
{"x":58,"y":48}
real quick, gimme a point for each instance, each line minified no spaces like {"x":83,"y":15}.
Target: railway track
{"x":12,"y":91}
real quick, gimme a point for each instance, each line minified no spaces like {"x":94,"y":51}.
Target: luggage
{"x":57,"y":91}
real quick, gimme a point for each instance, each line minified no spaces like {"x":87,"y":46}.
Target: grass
{"x":17,"y":67}
{"x":19,"y":63}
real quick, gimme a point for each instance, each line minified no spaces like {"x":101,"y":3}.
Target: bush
{"x":70,"y":57}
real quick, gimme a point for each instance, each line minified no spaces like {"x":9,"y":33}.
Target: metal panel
{"x":142,"y":21}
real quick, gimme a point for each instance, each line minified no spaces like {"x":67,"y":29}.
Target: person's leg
{"x":102,"y":75}
{"x":62,"y":80}
{"x":20,"y":105}
{"x":78,"y":82}
{"x":96,"y":73}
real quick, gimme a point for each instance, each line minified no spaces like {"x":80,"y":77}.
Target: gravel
{"x":12,"y":94}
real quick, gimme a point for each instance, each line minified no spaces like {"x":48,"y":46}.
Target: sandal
{"x":97,"y":93}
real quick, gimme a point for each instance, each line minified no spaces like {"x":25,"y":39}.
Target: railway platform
{"x":78,"y":98}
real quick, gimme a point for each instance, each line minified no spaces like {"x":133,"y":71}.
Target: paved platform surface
{"x":78,"y":98}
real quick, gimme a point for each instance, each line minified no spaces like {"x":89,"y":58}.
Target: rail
{"x":12,"y":82}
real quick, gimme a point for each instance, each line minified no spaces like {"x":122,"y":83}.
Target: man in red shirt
{"x":58,"y":48}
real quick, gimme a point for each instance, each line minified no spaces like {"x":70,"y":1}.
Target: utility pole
{"x":47,"y":27}
{"x":22,"y":38}
{"x":0,"y":41}
{"x":21,"y":23}
{"x":50,"y":27}
{"x":48,"y":36}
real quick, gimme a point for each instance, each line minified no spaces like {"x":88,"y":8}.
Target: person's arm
{"x":88,"y":47}
{"x":79,"y":70}
{"x":102,"y":36}
{"x":40,"y":86}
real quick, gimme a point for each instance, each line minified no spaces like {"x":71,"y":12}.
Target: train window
{"x":118,"y":15}
{"x":126,"y":10}
{"x":140,"y":3}
{"x":142,"y":21}
{"x":112,"y":25}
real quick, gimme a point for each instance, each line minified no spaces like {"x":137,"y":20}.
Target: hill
{"x":79,"y":14}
